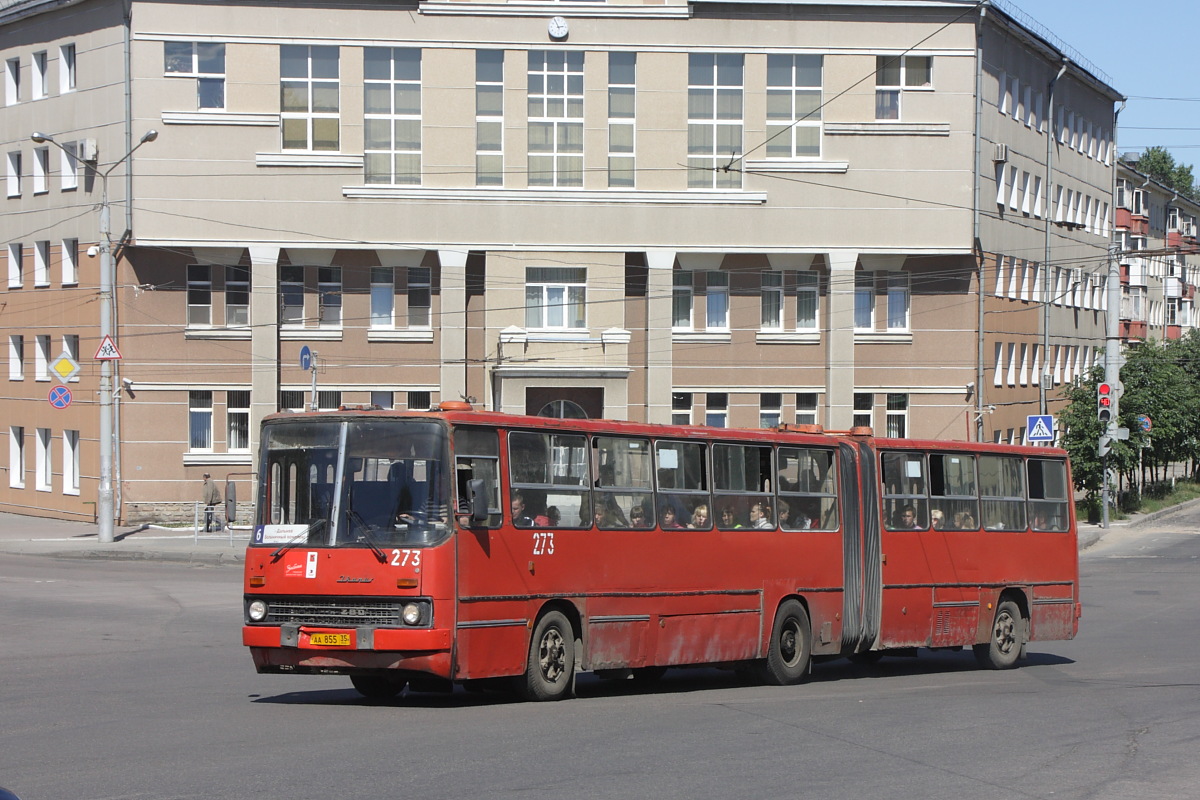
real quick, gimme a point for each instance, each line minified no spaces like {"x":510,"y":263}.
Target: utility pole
{"x":104,"y":494}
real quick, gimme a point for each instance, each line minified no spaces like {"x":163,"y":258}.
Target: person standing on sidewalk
{"x":212,"y":498}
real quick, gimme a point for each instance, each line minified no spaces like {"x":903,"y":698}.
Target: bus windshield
{"x":371,"y":483}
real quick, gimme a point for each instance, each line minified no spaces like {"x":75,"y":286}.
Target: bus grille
{"x":334,"y":613}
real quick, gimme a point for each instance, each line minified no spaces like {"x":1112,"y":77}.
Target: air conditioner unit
{"x":1001,"y":153}
{"x":88,"y":151}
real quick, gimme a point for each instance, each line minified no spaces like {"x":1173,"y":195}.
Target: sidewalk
{"x":25,"y":535}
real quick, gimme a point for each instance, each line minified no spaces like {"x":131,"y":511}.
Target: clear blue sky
{"x":1149,"y":50}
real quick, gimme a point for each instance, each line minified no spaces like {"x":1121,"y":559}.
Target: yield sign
{"x":107,"y":351}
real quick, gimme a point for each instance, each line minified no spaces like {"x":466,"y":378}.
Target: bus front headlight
{"x":257,"y":610}
{"x":411,"y":614}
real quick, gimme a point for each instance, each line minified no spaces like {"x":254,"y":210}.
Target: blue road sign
{"x":60,"y":397}
{"x":1040,"y":427}
{"x":1144,"y":422}
{"x":305,"y":358}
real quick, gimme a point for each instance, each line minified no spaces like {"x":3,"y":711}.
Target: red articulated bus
{"x":461,"y":546}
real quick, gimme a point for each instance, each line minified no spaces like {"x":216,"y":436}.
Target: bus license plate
{"x":329,"y":639}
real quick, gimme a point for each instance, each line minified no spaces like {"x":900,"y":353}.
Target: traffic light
{"x":1106,"y":401}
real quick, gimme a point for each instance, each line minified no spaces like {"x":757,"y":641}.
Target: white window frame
{"x":69,"y":262}
{"x":329,"y":297}
{"x":863,"y":410}
{"x":68,"y":166}
{"x":489,"y":117}
{"x":41,"y":170}
{"x":716,"y":409}
{"x":70,"y":344}
{"x":716,"y":301}
{"x":200,"y":421}
{"x":66,"y":68}
{"x":889,"y":95}
{"x":237,"y":296}
{"x":770,"y":409}
{"x":681,"y":408}
{"x":40,"y":67}
{"x":554,"y":292}
{"x":305,"y":102}
{"x":555,"y":118}
{"x":41,"y":263}
{"x":771,"y":318}
{"x":16,"y":357}
{"x":383,"y":398}
{"x":199,"y":288}
{"x":716,"y":124}
{"x":1001,"y":285}
{"x":622,"y":116}
{"x":383,"y":298}
{"x":41,"y":357}
{"x":864,"y":301}
{"x":392,"y":132}
{"x":12,"y":81}
{"x":808,"y":293}
{"x":419,"y":400}
{"x":896,"y":420}
{"x":291,"y":290}
{"x":794,"y":105}
{"x":16,"y":457}
{"x":43,"y":469}
{"x":683,"y":291}
{"x":203,"y":62}
{"x":14,"y":173}
{"x":70,"y":457}
{"x":899,"y":301}
{"x":419,"y":290}
{"x":16,"y":265}
{"x":807,"y":409}
{"x":237,"y":420}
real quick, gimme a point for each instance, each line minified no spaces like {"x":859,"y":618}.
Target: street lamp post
{"x":104,"y":496}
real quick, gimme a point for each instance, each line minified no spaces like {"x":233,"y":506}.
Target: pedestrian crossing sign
{"x":1040,"y":427}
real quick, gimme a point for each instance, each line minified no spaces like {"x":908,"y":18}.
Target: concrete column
{"x":659,"y":352}
{"x":264,"y":337}
{"x":452,"y":330}
{"x":839,"y":341}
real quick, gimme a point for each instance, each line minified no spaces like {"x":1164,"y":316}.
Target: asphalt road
{"x":127,"y":679}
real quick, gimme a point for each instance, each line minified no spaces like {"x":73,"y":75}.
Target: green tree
{"x":1157,"y":386}
{"x":1159,"y":164}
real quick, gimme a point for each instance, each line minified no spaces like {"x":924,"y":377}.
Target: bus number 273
{"x":406,"y":558}
{"x":543,"y":544}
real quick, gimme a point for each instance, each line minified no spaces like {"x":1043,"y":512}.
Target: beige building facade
{"x":741,"y":214}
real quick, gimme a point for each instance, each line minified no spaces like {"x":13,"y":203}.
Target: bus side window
{"x":1048,"y":495}
{"x":905,"y":500}
{"x":549,"y":476}
{"x":477,"y":457}
{"x":1002,"y":492}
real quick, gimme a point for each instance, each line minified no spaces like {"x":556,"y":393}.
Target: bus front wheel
{"x":791,"y":646}
{"x":376,"y":688}
{"x":551,"y":663}
{"x":1003,"y":649}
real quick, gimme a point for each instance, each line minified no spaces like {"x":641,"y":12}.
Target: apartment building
{"x":732,"y":213}
{"x":1157,"y":257}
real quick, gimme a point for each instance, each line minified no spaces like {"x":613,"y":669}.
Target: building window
{"x":715,"y":87}
{"x":382,"y":399}
{"x":12,"y":81}
{"x":41,"y":169}
{"x":291,"y":295}
{"x":329,"y":400}
{"x":555,"y":118}
{"x":383,"y":297}
{"x":716,"y":410}
{"x":420,"y":298}
{"x":329,"y":291}
{"x":794,"y":106}
{"x":681,"y":301}
{"x":895,"y":75}
{"x":204,"y":61}
{"x":622,"y":69}
{"x":200,"y":419}
{"x":41,"y":263}
{"x":716,"y":301}
{"x":897,"y":416}
{"x":43,"y":469}
{"x":806,"y":408}
{"x":237,"y":296}
{"x":199,"y":295}
{"x":16,"y":457}
{"x":71,"y":348}
{"x":807,"y":297}
{"x":554,"y":297}
{"x":864,"y":301}
{"x":237,"y":420}
{"x":68,"y":166}
{"x":862,"y":409}
{"x":772,"y":301}
{"x":308,"y":97}
{"x":16,"y":269}
{"x":291,"y":400}
{"x":392,"y":101}
{"x":419,"y":401}
{"x":41,"y":77}
{"x":897,"y":301}
{"x":770,"y":409}
{"x":66,"y":68}
{"x":489,"y":118}
{"x":681,"y":408}
{"x":41,"y":357}
{"x":14,"y":174}
{"x":70,"y":456}
{"x":16,"y":357}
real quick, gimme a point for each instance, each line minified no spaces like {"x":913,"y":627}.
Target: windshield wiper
{"x":295,"y":540}
{"x":366,"y":536}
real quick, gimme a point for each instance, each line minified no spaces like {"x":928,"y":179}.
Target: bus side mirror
{"x":477,"y":487}
{"x":230,"y":502}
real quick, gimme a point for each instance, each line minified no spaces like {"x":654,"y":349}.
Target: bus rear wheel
{"x":551,"y":662}
{"x":791,"y":646}
{"x":375,"y":687}
{"x":1003,"y":649}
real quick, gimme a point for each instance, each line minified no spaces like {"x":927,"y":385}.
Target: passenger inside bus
{"x":517,"y":507}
